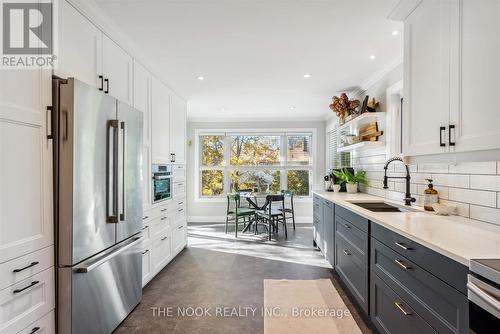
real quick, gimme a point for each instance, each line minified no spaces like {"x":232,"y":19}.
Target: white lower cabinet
{"x":147,"y":263}
{"x":44,"y":325}
{"x":179,"y":237}
{"x":27,"y":301}
{"x":161,"y":252}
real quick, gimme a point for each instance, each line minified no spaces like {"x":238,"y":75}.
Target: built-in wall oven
{"x":161,"y":183}
{"x":484,"y":296}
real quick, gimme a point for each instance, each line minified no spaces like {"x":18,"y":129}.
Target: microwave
{"x":161,"y":183}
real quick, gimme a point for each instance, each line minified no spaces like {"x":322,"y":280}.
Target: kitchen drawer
{"x":354,"y":235}
{"x":317,"y":206}
{"x":27,"y":301}
{"x":448,"y":270}
{"x":161,"y":252}
{"x":443,"y":307}
{"x":44,"y":325}
{"x":356,"y":220}
{"x":147,"y":232}
{"x":391,"y":315}
{"x":180,"y":203}
{"x":25,"y":266}
{"x":160,"y":210}
{"x":147,"y":215}
{"x":179,"y":172}
{"x":178,"y":237}
{"x":352,"y":269}
{"x":179,"y":190}
{"x":159,"y":226}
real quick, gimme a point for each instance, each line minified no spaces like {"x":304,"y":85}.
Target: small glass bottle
{"x":430,"y":196}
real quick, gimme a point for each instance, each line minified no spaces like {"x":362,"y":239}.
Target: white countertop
{"x":458,"y":238}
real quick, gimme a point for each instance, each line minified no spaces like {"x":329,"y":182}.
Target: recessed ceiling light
{"x":200,"y":77}
{"x":372,"y":57}
{"x":395,"y":33}
{"x":291,"y":107}
{"x":307,"y":75}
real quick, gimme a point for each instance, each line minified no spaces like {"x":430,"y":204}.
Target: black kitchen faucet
{"x":408,"y":198}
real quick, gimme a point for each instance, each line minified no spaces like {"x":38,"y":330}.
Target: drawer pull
{"x":180,"y":227}
{"x":399,"y":244}
{"x":347,"y":226}
{"x":163,"y":218}
{"x":145,"y":217}
{"x":26,"y":287}
{"x":147,"y":250}
{"x":163,"y":210}
{"x":34,"y":330}
{"x":32,"y":264}
{"x":346,"y":252}
{"x":180,"y":210}
{"x":145,"y":227}
{"x":180,"y":203}
{"x":400,"y":307}
{"x":402,"y":265}
{"x":163,"y":238}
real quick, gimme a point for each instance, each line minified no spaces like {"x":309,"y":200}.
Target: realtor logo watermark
{"x":28,"y":34}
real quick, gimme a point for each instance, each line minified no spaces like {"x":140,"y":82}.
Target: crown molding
{"x":379,"y":75}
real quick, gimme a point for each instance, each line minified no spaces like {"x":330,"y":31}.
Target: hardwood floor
{"x":209,"y":277}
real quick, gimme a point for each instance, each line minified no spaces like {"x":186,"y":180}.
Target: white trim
{"x":379,"y":75}
{"x":222,"y":219}
{"x":403,"y":9}
{"x":228,"y":119}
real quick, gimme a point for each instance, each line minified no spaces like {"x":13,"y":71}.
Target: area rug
{"x":304,"y":307}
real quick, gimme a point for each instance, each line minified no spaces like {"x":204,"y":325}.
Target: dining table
{"x":257,"y":201}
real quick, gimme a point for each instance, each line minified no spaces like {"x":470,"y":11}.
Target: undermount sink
{"x":381,"y":207}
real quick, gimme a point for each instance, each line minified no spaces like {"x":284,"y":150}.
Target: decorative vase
{"x":336,"y":188}
{"x":352,"y":188}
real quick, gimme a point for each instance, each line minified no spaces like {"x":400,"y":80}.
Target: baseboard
{"x":222,"y":219}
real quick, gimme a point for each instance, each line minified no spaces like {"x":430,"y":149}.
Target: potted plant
{"x":351,"y":180}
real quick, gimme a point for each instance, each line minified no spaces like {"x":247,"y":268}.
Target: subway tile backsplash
{"x":474,"y":187}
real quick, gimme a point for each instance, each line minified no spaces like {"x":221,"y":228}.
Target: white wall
{"x":215,"y":212}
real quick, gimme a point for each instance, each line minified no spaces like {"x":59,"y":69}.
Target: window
{"x":336,"y":159}
{"x":262,"y":162}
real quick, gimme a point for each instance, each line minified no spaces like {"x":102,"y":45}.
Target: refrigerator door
{"x":87,"y":142}
{"x":130,"y":172}
{"x":100,"y":292}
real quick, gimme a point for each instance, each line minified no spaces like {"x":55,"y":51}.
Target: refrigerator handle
{"x":122,"y":169}
{"x":112,"y":172}
{"x":100,"y":260}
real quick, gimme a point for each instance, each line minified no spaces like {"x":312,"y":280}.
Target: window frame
{"x":283,"y":167}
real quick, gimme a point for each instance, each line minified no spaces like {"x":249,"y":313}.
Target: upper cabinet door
{"x":426,"y":78}
{"x":26,"y":218}
{"x":475,"y":81}
{"x":117,"y":69}
{"x":142,"y":98}
{"x":160,"y":122}
{"x":80,"y":47}
{"x":178,"y":129}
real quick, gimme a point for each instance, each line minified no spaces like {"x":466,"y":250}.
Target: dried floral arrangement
{"x":342,"y":106}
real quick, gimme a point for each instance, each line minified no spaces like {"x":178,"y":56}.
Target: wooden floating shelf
{"x":364,"y":145}
{"x":367,"y":117}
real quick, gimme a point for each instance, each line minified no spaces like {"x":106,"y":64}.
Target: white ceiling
{"x":254,"y":53}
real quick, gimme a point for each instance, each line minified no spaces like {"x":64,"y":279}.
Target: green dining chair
{"x":236,"y":213}
{"x":288,"y":209}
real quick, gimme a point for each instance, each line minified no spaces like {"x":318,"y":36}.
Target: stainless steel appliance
{"x":483,"y":291}
{"x":98,"y":167}
{"x":162,"y":182}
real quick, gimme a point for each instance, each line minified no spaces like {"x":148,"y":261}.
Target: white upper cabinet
{"x":26,"y":222}
{"x":160,"y":122}
{"x":451,"y":62}
{"x":142,"y":98}
{"x":178,"y":129}
{"x":80,"y":47}
{"x":426,"y":72}
{"x":117,"y":70}
{"x":475,"y":82}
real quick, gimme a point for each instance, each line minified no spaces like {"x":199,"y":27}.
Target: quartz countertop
{"x":458,"y":238}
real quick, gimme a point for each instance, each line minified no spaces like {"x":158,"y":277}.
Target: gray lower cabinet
{"x":317,"y":221}
{"x":390,"y":314}
{"x":329,"y":229}
{"x":351,"y":254}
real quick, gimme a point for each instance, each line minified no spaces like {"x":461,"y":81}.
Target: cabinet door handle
{"x":106,"y":81}
{"x":180,"y":227}
{"x":145,"y":228}
{"x":163,"y":210}
{"x":441,"y":129}
{"x":163,"y":238}
{"x":145,"y":217}
{"x":101,"y":78}
{"x":347,"y":226}
{"x":400,"y":307}
{"x":34,"y":330}
{"x":26,"y":287}
{"x":402,"y":265}
{"x":48,"y":114}
{"x":451,"y":143}
{"x":346,"y":252}
{"x":401,"y":245}
{"x":147,"y":250}
{"x":163,"y":218}
{"x":32,"y":264}
{"x":180,"y":210}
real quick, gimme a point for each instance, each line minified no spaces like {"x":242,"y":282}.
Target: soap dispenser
{"x":430,"y":196}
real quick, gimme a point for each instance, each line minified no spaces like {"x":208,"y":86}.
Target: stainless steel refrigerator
{"x":98,"y":167}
